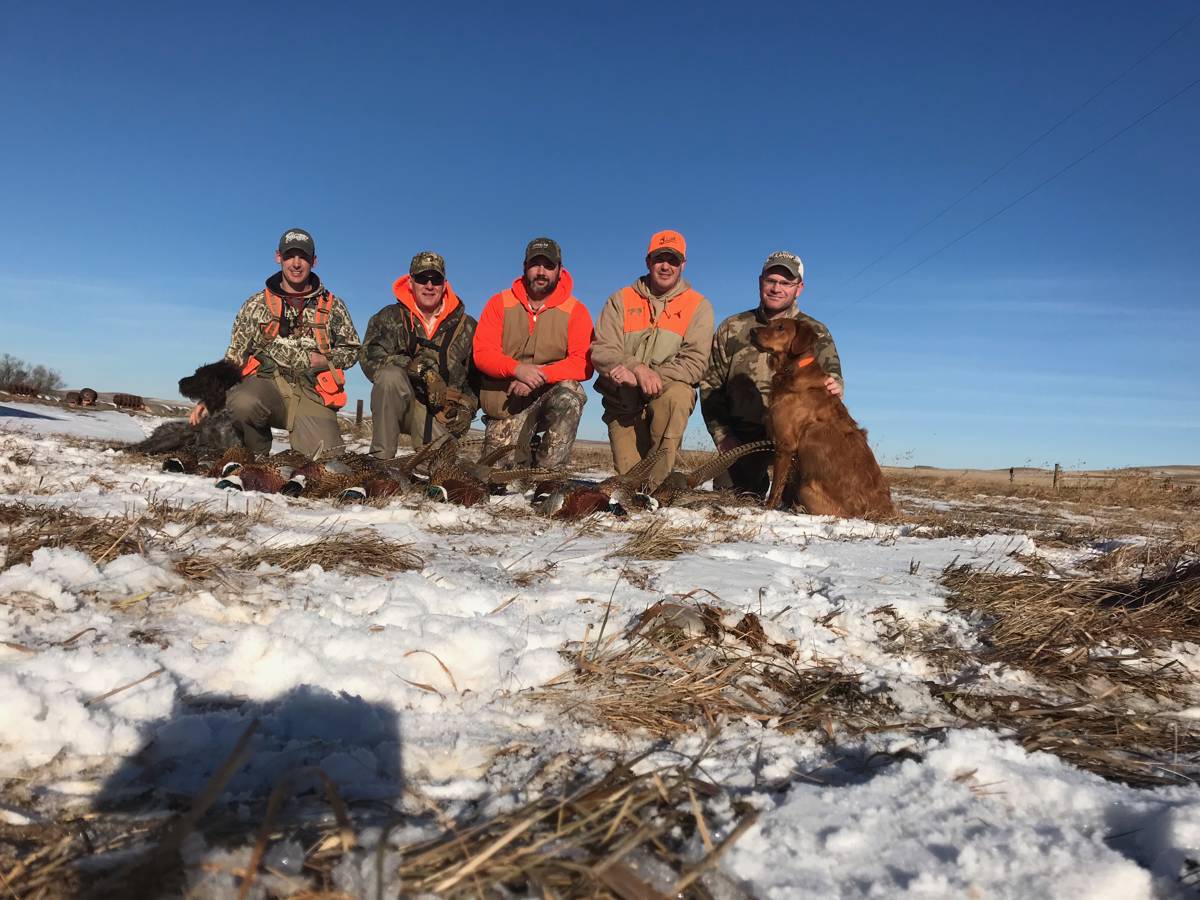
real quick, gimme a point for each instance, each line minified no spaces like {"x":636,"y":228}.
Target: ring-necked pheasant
{"x":679,"y":487}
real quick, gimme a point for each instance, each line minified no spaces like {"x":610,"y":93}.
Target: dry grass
{"x":1132,"y":490}
{"x":101,"y":539}
{"x":1075,"y":632}
{"x":1104,"y":736}
{"x":657,"y":540}
{"x":690,"y":666}
{"x":360,"y":552}
{"x":1106,"y":646}
{"x":617,"y":836}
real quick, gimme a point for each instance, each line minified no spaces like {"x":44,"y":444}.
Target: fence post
{"x":1057,"y":469}
{"x":358,"y":412}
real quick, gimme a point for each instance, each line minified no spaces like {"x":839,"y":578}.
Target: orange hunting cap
{"x":668,"y":241}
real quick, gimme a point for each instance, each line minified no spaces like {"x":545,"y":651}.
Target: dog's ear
{"x":803,"y":338}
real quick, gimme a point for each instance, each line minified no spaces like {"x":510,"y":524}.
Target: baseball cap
{"x":671,"y":241}
{"x":297,"y":239}
{"x":544,"y":246}
{"x":427,"y":261}
{"x":782,"y":259}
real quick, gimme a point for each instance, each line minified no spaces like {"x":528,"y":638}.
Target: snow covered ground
{"x":417,"y":684}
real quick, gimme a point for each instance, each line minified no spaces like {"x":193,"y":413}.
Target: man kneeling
{"x":532,"y":352}
{"x":417,"y":353}
{"x":652,"y":346}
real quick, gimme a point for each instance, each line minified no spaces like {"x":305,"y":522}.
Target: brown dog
{"x":813,"y":433}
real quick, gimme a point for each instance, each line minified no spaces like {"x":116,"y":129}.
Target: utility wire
{"x":1037,"y":140}
{"x":1037,"y":187}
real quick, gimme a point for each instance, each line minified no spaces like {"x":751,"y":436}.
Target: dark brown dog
{"x":836,"y":472}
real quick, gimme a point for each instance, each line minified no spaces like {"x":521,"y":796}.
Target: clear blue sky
{"x":153,"y":153}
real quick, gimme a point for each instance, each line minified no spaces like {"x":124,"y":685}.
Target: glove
{"x":422,"y":372}
{"x":455,"y":413}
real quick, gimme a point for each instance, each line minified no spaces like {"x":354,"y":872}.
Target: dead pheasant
{"x":678,"y":487}
{"x":268,"y":476}
{"x":576,"y":498}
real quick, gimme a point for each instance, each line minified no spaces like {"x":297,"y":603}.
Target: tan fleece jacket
{"x":687,"y":364}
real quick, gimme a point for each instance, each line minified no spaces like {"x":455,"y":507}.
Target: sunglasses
{"x":429,"y":278}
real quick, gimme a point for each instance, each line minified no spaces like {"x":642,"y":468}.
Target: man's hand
{"x":529,"y":375}
{"x":198,"y":414}
{"x":727,"y":443}
{"x":831,"y":385}
{"x":621,"y":375}
{"x":518,"y":389}
{"x":317,"y":362}
{"x":649,"y":381}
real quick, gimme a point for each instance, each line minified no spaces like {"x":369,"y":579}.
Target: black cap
{"x":297,"y":239}
{"x":544,"y":246}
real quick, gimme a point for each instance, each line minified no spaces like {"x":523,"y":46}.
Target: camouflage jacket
{"x":395,"y":338}
{"x":288,"y":352}
{"x":735,"y":389}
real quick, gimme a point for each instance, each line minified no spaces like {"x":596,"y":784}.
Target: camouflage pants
{"x":558,"y":419}
{"x":263,"y":402}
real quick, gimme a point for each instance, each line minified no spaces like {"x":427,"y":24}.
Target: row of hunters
{"x":433,"y":366}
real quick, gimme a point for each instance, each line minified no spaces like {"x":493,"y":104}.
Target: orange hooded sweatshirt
{"x":558,"y":337}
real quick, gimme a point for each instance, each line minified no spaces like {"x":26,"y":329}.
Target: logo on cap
{"x":298,"y":239}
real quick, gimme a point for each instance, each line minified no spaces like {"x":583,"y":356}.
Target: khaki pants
{"x":263,"y":402}
{"x":395,"y":409}
{"x":660,"y":423}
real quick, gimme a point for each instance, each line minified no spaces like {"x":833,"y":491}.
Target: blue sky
{"x":153,"y":154}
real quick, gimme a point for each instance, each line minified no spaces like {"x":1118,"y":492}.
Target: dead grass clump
{"x":1104,"y":737}
{"x":657,"y":540}
{"x":1072,"y":632}
{"x":619,"y":836}
{"x":360,"y":552}
{"x":101,"y":539}
{"x":685,"y":667}
{"x":13,"y":513}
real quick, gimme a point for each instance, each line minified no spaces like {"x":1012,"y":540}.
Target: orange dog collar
{"x":807,"y":361}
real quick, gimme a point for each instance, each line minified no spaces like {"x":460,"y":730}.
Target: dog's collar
{"x":807,"y":361}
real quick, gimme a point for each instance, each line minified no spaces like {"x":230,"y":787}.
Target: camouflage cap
{"x":427,"y":261}
{"x":544,"y":246}
{"x":297,"y":239}
{"x":782,"y":259}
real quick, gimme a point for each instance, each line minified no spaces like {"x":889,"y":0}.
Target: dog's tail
{"x":722,"y":461}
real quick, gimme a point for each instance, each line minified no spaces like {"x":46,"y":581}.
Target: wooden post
{"x":358,"y":412}
{"x":1057,"y":470}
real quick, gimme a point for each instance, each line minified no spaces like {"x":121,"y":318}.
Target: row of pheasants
{"x":441,"y":470}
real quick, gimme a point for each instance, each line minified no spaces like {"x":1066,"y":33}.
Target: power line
{"x":1037,"y":140}
{"x":1037,"y":187}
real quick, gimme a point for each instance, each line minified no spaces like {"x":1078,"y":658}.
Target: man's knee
{"x":565,"y":399}
{"x":246,"y":405}
{"x":392,"y":381}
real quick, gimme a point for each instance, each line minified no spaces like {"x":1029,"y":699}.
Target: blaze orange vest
{"x":331,"y":384}
{"x":675,"y":317}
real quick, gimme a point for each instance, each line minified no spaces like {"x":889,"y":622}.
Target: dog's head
{"x":786,"y":337}
{"x":210,"y":383}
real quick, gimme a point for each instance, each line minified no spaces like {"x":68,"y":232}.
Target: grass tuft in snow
{"x":687,"y":666}
{"x":655,"y":834}
{"x":360,"y":552}
{"x":657,"y":540}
